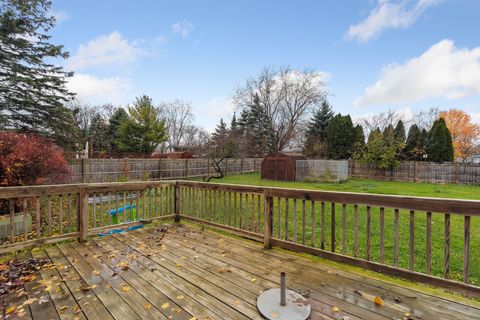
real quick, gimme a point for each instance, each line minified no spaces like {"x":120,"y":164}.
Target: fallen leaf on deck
{"x":275,"y":315}
{"x":63,"y":309}
{"x":97,"y":273}
{"x":28,"y":278}
{"x":378,"y":301}
{"x":178,"y":265}
{"x":11,"y":309}
{"x":125,"y":288}
{"x":165,"y":305}
{"x":335,"y":309}
{"x":180,"y":297}
{"x":147,"y":306}
{"x":253,"y":279}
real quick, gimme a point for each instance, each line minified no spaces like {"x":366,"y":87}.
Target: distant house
{"x":172,"y":155}
{"x":474,"y":159}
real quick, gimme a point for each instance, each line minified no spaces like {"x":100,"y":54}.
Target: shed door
{"x":281,"y":172}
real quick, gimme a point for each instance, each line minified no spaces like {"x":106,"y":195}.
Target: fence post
{"x":268,"y":228}
{"x":176,"y":202}
{"x":186,"y":168}
{"x":84,"y":169}
{"x":208,"y":167}
{"x":241,"y":166}
{"x":415,"y":172}
{"x":82,"y":215}
{"x":254,"y":168}
{"x":160,"y":169}
{"x":226,"y":166}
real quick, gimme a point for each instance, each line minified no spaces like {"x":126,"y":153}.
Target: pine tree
{"x":439,"y":142}
{"x":257,"y":130}
{"x":32,"y":89}
{"x":143,"y":131}
{"x":98,"y":134}
{"x":414,"y":147}
{"x":114,"y":123}
{"x":359,"y":145}
{"x":399,"y":132}
{"x":222,"y":143}
{"x":316,"y":135}
{"x":340,"y":137}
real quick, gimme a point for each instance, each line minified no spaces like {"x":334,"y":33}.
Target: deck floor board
{"x":188,"y":273}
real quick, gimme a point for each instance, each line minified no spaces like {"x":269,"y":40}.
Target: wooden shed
{"x":280,"y":166}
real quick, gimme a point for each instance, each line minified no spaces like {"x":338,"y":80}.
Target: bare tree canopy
{"x":288,"y":95}
{"x":178,"y":116}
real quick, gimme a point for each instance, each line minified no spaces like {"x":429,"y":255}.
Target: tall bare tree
{"x":288,"y":96}
{"x":178,"y":116}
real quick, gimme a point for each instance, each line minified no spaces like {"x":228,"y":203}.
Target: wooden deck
{"x":187,"y":273}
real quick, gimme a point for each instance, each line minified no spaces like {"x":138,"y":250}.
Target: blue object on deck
{"x":121,"y":230}
{"x":133,"y":212}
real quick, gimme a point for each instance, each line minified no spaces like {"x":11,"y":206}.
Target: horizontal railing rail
{"x":430,"y":240}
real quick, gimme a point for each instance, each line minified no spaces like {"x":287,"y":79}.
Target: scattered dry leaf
{"x":335,"y":309}
{"x":125,"y":288}
{"x":378,"y":301}
{"x":147,"y":306}
{"x":165,"y":305}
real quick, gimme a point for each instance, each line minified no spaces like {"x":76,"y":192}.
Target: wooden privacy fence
{"x":117,"y":170}
{"x":429,"y":240}
{"x":415,"y":171}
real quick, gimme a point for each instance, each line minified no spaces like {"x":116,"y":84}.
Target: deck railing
{"x":423,"y":239}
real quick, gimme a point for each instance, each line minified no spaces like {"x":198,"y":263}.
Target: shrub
{"x":28,"y":159}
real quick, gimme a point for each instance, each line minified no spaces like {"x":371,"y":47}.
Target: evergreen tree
{"x":340,"y":137}
{"x":257,"y":130}
{"x":414,"y":147}
{"x":316,"y":135}
{"x":222,"y":143}
{"x":439,"y":142}
{"x":234,"y":123}
{"x":118,"y":117}
{"x":359,"y":145}
{"x":399,"y":132}
{"x":143,"y":131}
{"x":98,"y":134}
{"x":32,"y":89}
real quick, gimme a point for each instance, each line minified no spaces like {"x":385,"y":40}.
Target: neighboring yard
{"x":384,"y":187}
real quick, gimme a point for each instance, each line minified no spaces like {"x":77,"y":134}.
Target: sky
{"x":377,"y":55}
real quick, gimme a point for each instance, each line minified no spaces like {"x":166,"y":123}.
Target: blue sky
{"x":378,"y":55}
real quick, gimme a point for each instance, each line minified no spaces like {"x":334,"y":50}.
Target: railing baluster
{"x":279,"y":230}
{"x":412,"y":241}
{"x":333,"y":227}
{"x":368,"y":231}
{"x":395,"y":237}
{"x":109,"y":207}
{"x":49,"y":215}
{"x":312,"y":222}
{"x":25,"y":209}
{"x":124,"y":206}
{"x":117,"y":206}
{"x":224,"y":207}
{"x":240,"y":212}
{"x":295,"y":220}
{"x":215,"y":205}
{"x":259,"y":209}
{"x":322,"y":223}
{"x":428,"y":249}
{"x":303,"y":222}
{"x":60,"y":213}
{"x":466,"y":248}
{"x":235,"y":209}
{"x":137,"y":196}
{"x":446,"y":261}
{"x":11,"y":203}
{"x":130,"y":200}
{"x":94,"y":222}
{"x":101,"y":208}
{"x":37,"y":215}
{"x":355,"y":231}
{"x":344,"y":229}
{"x":382,"y":235}
{"x":287,"y":236}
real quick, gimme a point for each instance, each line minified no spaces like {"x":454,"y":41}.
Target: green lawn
{"x":294,"y":221}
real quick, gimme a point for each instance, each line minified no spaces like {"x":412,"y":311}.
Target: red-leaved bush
{"x":27,"y":159}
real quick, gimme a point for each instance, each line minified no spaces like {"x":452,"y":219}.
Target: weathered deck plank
{"x":189,"y":273}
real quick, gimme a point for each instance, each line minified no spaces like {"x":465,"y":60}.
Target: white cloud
{"x":183,"y":28}
{"x":105,"y":50}
{"x":100,"y":90}
{"x":388,"y":15}
{"x":441,"y":71}
{"x":209,"y":113}
{"x":476,"y":117}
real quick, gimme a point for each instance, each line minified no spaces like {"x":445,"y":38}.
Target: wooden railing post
{"x":83,"y":215}
{"x":176,"y":202}
{"x":268,"y":228}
